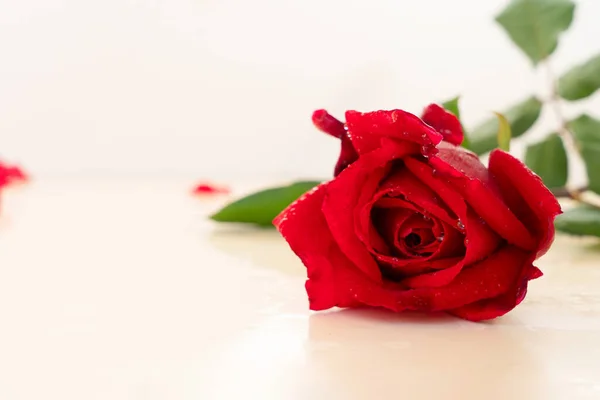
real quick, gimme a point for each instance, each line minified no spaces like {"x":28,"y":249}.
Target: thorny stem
{"x":568,"y":140}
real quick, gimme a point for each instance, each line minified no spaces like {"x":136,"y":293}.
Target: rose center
{"x":412,"y":240}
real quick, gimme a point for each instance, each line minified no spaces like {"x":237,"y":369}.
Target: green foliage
{"x":587,"y":136}
{"x":548,"y":159}
{"x":535,"y":25}
{"x":504,"y":133}
{"x":262,"y":207}
{"x":520,"y":117}
{"x":581,"y":220}
{"x":581,"y":81}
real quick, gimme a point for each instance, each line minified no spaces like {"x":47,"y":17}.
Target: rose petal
{"x":342,"y":198}
{"x":527,"y":197}
{"x":405,"y":183}
{"x":489,"y":278}
{"x":444,"y":122}
{"x":347,"y":155}
{"x":499,"y":305}
{"x":416,"y":224}
{"x":451,"y":246}
{"x":479,"y":243}
{"x":322,"y":257}
{"x":389,"y":224}
{"x":11,"y":174}
{"x":480,"y":240}
{"x":435,"y":279}
{"x":451,"y":242}
{"x":209,"y":189}
{"x":327,"y":123}
{"x":403,"y":276}
{"x":449,"y":196}
{"x":463,"y":170}
{"x":367,"y":129}
{"x":535,"y":273}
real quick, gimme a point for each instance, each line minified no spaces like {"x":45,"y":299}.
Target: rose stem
{"x":567,"y":138}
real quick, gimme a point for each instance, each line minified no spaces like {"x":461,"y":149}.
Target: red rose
{"x":413,"y":222}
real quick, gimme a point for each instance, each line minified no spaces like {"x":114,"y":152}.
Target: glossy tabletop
{"x":123,"y":290}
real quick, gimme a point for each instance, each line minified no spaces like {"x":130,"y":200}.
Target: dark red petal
{"x":420,"y":227}
{"x":358,"y":181}
{"x":405,"y":183}
{"x":489,"y":278}
{"x":327,"y":123}
{"x":526,"y":196}
{"x":444,"y":122}
{"x":363,"y":224}
{"x":347,"y":155}
{"x":451,"y":242}
{"x":389,"y":225}
{"x":322,"y":257}
{"x":480,"y":240}
{"x":404,"y":274}
{"x":373,"y":241}
{"x":367,"y":129}
{"x":499,"y":305}
{"x":481,"y":244}
{"x":535,"y":273}
{"x":450,"y":239}
{"x":436,"y":278}
{"x":463,"y":170}
{"x":392,"y":202}
{"x":449,"y":196}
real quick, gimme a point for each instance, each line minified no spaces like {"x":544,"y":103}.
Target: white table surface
{"x":122,"y":290}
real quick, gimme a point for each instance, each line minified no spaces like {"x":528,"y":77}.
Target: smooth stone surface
{"x":123,"y":290}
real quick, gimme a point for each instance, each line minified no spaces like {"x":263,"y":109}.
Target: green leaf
{"x":452,"y":106}
{"x":521,"y":117}
{"x":581,"y":81}
{"x":581,"y":220}
{"x":587,"y":137}
{"x":548,"y":159}
{"x":262,"y":207}
{"x":504,"y":133}
{"x":535,"y":25}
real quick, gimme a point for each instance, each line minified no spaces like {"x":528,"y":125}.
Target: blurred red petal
{"x":209,"y":189}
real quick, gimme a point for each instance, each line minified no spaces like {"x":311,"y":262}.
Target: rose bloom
{"x":412,"y":221}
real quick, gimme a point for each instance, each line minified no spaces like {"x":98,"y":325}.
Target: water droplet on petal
{"x":440,"y":238}
{"x":460,"y":225}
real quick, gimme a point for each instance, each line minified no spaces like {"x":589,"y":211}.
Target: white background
{"x":224,"y":89}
